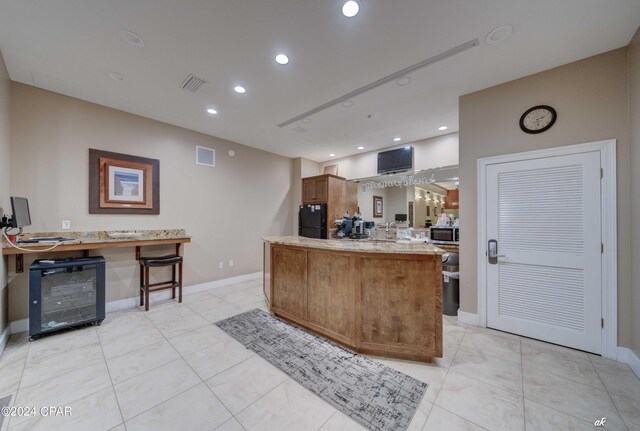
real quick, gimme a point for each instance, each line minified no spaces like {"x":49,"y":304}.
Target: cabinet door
{"x":330,"y":294}
{"x":308,"y":191}
{"x":321,"y":189}
{"x":289,"y":281}
{"x":452,"y":199}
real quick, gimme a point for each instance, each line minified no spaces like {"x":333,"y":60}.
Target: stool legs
{"x":145,"y":284}
{"x":141,"y":285}
{"x":146,"y":289}
{"x":179,"y":282}
{"x":173,"y":281}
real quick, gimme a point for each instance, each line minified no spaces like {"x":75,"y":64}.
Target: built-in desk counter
{"x":375,"y":297}
{"x":85,"y":241}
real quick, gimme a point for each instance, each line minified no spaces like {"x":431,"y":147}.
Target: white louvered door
{"x":545,"y":215}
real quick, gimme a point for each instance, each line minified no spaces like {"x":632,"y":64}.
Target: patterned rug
{"x":378,"y":397}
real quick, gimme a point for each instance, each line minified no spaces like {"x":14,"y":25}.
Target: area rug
{"x":376,"y":396}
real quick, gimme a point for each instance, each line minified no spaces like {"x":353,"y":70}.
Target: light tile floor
{"x":172,"y":369}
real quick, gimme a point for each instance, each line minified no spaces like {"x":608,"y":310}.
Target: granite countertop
{"x":89,"y":237}
{"x":366,"y":246}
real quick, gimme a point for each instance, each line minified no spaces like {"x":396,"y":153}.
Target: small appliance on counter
{"x":312,"y":220}
{"x":445,"y":235}
{"x":344,"y":227}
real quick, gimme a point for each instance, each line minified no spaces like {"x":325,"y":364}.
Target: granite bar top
{"x":364,"y":246}
{"x":89,"y":237}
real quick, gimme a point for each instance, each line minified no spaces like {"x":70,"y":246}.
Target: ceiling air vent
{"x":192,"y":84}
{"x":205,"y":156}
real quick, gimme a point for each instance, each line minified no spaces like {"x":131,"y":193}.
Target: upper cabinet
{"x":453,"y":200}
{"x":316,"y":189}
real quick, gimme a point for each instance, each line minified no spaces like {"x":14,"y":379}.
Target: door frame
{"x":609,"y":211}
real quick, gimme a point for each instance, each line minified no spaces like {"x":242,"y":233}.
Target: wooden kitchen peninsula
{"x":379,"y":298}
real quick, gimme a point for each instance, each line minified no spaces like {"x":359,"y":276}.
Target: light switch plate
{"x":231,"y":262}
{"x":66,"y":224}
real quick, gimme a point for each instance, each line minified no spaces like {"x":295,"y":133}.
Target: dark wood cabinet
{"x":315,"y":189}
{"x":452,"y":202}
{"x":339,"y":195}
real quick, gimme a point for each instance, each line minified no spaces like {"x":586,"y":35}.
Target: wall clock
{"x":538,"y":119}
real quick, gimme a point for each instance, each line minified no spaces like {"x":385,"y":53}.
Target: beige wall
{"x":634,"y":127}
{"x":226,"y":208}
{"x":590,"y":97}
{"x":5,"y":123}
{"x":429,"y":153}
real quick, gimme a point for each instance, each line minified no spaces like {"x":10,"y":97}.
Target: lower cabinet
{"x":376,"y":303}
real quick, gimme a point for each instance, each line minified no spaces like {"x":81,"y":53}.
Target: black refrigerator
{"x":313,"y":221}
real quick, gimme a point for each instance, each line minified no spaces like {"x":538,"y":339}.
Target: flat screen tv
{"x":398,"y":160}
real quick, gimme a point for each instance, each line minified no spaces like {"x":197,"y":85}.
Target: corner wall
{"x":5,"y":136}
{"x":590,"y":97}
{"x":226,"y":208}
{"x":634,"y":128}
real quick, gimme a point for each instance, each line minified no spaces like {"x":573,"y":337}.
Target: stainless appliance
{"x":358,"y":227}
{"x":312,"y":221}
{"x":444,"y":234}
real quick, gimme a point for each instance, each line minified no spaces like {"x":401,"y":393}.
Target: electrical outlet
{"x":221,"y":265}
{"x":230,"y":262}
{"x":66,"y":224}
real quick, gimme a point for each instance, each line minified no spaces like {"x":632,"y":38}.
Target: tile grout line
{"x":265,"y":394}
{"x":453,"y":358}
{"x":434,"y":402}
{"x":615,"y":406}
{"x":113,"y":387}
{"x":68,"y":372}
{"x":24,"y":366}
{"x":202,"y":381}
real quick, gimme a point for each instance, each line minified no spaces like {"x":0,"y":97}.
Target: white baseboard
{"x":468,"y":318}
{"x":629,"y":357}
{"x":4,"y":338}
{"x":127,"y":303}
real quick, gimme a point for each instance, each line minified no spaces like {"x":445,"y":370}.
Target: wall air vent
{"x":192,"y":84}
{"x":205,"y":156}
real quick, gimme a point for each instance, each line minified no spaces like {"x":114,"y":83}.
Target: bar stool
{"x":145,"y":284}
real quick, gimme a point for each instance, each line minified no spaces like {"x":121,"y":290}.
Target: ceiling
{"x":70,"y":46}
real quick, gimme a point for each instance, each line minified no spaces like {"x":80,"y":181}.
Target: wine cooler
{"x":64,"y":293}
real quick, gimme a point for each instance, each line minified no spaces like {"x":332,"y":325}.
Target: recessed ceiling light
{"x":397,"y":139}
{"x":212,"y":111}
{"x":239,"y":89}
{"x":404,"y":80}
{"x":361,"y":148}
{"x":132,"y":38}
{"x":332,"y":155}
{"x":116,"y":76}
{"x":348,"y":103}
{"x":442,"y":128}
{"x":282,"y":59}
{"x":498,"y":34}
{"x":306,"y":120}
{"x":231,"y":153}
{"x":351,"y":8}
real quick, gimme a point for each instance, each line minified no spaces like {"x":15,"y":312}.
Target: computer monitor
{"x":401,"y":217}
{"x":21,"y":215}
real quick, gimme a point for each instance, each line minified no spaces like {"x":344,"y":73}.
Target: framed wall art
{"x":377,"y":206}
{"x":123,"y":184}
